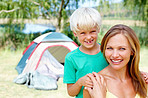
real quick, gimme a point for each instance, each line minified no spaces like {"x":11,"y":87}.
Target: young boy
{"x":85,"y":24}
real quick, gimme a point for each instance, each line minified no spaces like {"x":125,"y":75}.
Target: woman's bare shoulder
{"x":105,"y":73}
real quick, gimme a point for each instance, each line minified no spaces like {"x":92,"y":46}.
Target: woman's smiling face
{"x":118,"y":52}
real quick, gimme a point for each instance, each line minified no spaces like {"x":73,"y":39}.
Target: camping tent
{"x":45,"y":54}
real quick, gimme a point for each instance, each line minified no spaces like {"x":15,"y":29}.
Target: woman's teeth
{"x":116,"y":61}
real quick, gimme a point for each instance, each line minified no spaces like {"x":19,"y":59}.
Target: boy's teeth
{"x":88,"y":42}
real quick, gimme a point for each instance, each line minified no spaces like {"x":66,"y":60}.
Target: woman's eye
{"x":109,"y":48}
{"x":122,"y":48}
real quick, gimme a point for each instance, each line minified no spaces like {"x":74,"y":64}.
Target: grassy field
{"x":8,"y":89}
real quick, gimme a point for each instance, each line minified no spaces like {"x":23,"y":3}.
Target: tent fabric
{"x":34,"y":60}
{"x":53,"y":68}
{"x":40,"y":38}
{"x":36,"y":80}
{"x":56,"y":52}
{"x":45,"y":55}
{"x":55,"y":36}
{"x":40,"y":41}
{"x":26,"y":55}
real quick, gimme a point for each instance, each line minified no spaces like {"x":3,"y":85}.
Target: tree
{"x":34,"y":9}
{"x":20,"y":10}
{"x":141,"y":7}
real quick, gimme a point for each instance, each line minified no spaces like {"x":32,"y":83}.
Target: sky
{"x":90,"y":3}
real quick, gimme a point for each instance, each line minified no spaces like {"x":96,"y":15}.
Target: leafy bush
{"x":13,"y":39}
{"x":142,"y":35}
{"x":69,"y":33}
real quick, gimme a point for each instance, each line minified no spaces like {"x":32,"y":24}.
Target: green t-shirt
{"x":78,"y":64}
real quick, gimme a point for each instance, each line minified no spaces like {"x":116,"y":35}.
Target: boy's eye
{"x":82,"y":33}
{"x":93,"y":31}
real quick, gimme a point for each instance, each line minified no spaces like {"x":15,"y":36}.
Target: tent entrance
{"x":59,"y":53}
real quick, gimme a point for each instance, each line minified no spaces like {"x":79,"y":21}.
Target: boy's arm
{"x":86,"y":94}
{"x":74,"y":89}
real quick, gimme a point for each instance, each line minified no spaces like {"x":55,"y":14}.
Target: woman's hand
{"x":145,"y":75}
{"x":99,"y":86}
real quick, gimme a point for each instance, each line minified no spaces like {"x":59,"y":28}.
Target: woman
{"x":122,"y":77}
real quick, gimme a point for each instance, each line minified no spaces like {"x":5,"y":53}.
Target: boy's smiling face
{"x":87,"y":38}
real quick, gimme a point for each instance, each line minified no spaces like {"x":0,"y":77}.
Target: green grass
{"x":8,"y":89}
{"x":144,"y":59}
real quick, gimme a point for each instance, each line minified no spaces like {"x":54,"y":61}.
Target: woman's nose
{"x":115,"y":54}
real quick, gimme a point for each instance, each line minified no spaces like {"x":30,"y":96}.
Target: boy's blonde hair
{"x":85,"y":18}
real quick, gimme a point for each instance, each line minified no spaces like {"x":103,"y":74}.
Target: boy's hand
{"x":145,"y":75}
{"x":86,"y":81}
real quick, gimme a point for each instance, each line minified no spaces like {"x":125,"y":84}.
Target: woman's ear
{"x":75,"y":34}
{"x":132,"y":53}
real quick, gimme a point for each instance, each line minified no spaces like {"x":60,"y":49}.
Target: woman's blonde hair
{"x":133,"y":65}
{"x":85,"y":18}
